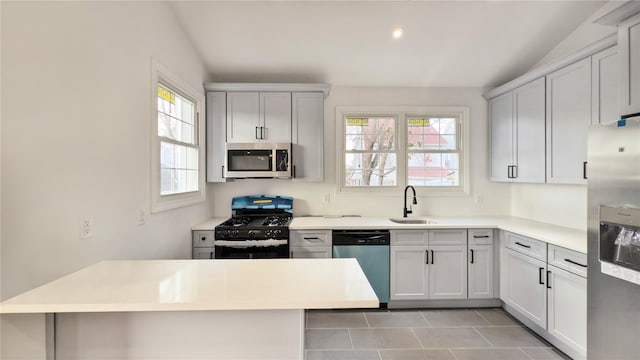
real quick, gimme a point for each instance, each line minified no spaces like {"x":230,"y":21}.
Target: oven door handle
{"x":241,"y":244}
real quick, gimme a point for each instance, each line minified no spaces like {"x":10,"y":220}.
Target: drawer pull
{"x":574,"y":263}
{"x":315,"y":238}
{"x":480,"y":236}
{"x":523,"y":245}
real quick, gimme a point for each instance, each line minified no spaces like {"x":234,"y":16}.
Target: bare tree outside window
{"x":370,"y":151}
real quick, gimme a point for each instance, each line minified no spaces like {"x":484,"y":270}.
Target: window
{"x":370,"y":151}
{"x":178,"y":146}
{"x":388,"y":148}
{"x":433,"y":151}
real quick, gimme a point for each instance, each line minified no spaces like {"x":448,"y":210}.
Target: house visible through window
{"x":432,"y":151}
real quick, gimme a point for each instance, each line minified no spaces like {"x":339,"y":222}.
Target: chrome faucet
{"x":406,"y":211}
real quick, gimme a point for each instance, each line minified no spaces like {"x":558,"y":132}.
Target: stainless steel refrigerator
{"x":613,"y":287}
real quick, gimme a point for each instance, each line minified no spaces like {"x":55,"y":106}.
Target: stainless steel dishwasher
{"x":371,"y":249}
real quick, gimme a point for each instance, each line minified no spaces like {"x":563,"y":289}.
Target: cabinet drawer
{"x":480,"y":236}
{"x":310,"y":238}
{"x":203,"y":238}
{"x":310,"y":252}
{"x":527,"y":246}
{"x":572,"y":261}
{"x":448,"y":237}
{"x":409,"y":237}
{"x":203,"y":253}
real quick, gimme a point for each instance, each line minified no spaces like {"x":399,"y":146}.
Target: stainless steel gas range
{"x":257,"y":229}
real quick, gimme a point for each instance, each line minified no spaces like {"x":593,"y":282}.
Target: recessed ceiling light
{"x":397,"y":32}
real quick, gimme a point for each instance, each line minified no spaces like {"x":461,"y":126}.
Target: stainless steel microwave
{"x":257,"y":160}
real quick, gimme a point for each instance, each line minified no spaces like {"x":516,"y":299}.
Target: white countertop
{"x":569,"y":238}
{"x":179,"y":285}
{"x":565,"y":237}
{"x":209,"y":224}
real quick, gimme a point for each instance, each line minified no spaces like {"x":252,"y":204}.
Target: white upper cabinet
{"x":605,"y":70}
{"x":501,"y":123}
{"x":216,"y":135}
{"x":629,"y":49}
{"x":307,"y":136}
{"x":517,"y":134}
{"x":568,"y":120}
{"x":258,"y":117}
{"x":529,"y":103}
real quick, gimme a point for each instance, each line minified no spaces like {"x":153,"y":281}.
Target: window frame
{"x":401,"y":113}
{"x":161,"y":75}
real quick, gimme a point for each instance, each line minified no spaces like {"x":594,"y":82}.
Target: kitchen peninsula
{"x":182,"y":309}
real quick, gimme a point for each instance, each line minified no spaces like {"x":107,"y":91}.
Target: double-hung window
{"x":389,"y":148}
{"x":433,"y":150}
{"x":370,"y":151}
{"x":178,"y":144}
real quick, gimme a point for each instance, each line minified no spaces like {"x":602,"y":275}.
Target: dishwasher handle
{"x":361,"y":237}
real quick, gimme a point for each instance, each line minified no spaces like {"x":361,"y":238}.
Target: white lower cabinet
{"x":523,"y":287}
{"x":550,"y":294}
{"x":480,"y":264}
{"x":480,"y":272}
{"x":310,"y":244}
{"x":567,"y":310}
{"x":420,"y":270}
{"x":408,"y":273}
{"x":448,"y":272}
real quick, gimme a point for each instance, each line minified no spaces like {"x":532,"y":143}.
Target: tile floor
{"x":480,"y":334}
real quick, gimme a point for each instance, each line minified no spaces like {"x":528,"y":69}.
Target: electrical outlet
{"x":86,"y":227}
{"x":142,"y":216}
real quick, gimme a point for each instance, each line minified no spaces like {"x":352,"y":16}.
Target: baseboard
{"x":440,"y":304}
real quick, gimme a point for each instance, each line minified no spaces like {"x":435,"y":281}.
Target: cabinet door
{"x":523,"y":286}
{"x":216,"y":135}
{"x":568,"y":120}
{"x":408,"y":273}
{"x":529,"y":109}
{"x":501,"y":132}
{"x":307,"y":136}
{"x":310,"y":252}
{"x":629,"y":47}
{"x":480,"y":271}
{"x":243,"y":116}
{"x":605,"y":70}
{"x":275,"y":117}
{"x":567,"y":301}
{"x":447,"y":272}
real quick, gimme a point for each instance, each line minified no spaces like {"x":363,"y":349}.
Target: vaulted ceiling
{"x":445,"y":43}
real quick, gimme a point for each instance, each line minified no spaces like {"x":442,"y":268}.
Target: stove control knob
{"x":251,"y":233}
{"x":235,"y":233}
{"x":277,"y":232}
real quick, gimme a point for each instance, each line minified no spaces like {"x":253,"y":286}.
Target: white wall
{"x":75,"y":141}
{"x":308,"y":197}
{"x":585,"y":34}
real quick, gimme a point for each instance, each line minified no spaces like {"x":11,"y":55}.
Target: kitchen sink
{"x":412,"y":221}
